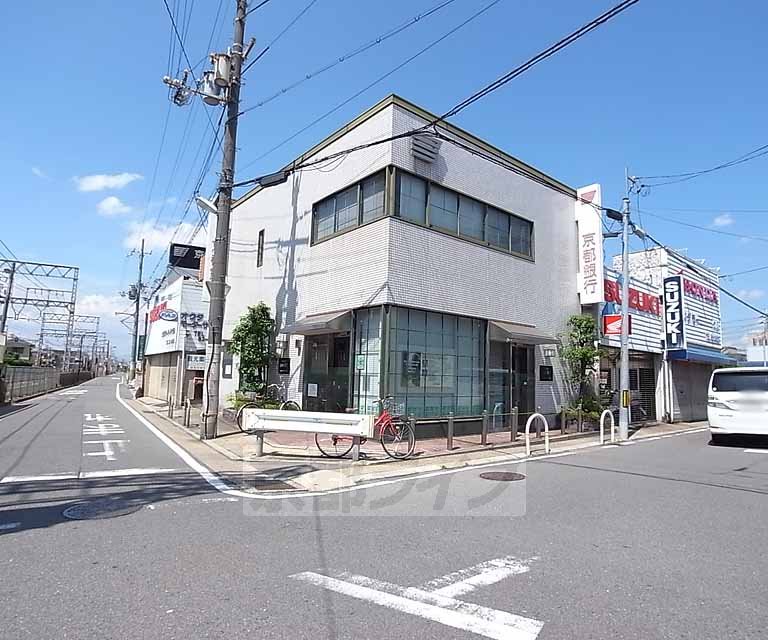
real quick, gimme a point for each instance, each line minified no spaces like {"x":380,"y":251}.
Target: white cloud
{"x":96,"y":304}
{"x":39,"y":172}
{"x":160,"y":237}
{"x":112,"y":206}
{"x":724,"y":220}
{"x":102,"y":181}
{"x":751,"y":294}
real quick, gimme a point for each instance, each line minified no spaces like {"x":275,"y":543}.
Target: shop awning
{"x":702,"y":354}
{"x":520,"y":333}
{"x":320,"y":323}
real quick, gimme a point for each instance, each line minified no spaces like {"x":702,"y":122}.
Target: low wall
{"x":17,"y":383}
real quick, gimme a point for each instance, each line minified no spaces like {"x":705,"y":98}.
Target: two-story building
{"x":440,"y":270}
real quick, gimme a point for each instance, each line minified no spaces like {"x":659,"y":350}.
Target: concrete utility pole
{"x":217,"y":283}
{"x":8,"y":296}
{"x":135,"y":341}
{"x":624,"y":377}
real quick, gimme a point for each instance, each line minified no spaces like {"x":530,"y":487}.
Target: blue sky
{"x":664,"y":88}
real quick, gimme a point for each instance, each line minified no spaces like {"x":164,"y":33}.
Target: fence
{"x":17,"y":383}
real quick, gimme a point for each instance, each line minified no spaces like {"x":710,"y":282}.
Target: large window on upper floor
{"x":432,"y":205}
{"x":358,"y":204}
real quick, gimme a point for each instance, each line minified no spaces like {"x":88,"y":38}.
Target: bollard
{"x":355,"y":448}
{"x":449,"y":443}
{"x":538,"y":425}
{"x":484,"y":432}
{"x":412,"y":422}
{"x":515,"y":425}
{"x":563,"y":420}
{"x":259,"y":443}
{"x":580,"y":426}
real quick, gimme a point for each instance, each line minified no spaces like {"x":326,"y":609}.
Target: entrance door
{"x":326,"y":382}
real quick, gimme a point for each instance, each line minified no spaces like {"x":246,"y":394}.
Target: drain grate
{"x":101,"y":509}
{"x":502,"y":476}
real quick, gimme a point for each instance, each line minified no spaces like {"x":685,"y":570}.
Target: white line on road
{"x":41,"y":478}
{"x":465,"y":580}
{"x":9,"y":525}
{"x":466,"y":616}
{"x":755,"y":450}
{"x":87,"y":475}
{"x":119,"y":473}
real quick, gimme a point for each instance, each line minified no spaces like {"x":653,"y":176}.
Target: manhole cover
{"x":502,"y":476}
{"x":100,"y":509}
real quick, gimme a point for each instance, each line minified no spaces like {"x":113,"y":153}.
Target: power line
{"x":552,"y":50}
{"x":675,"y":178}
{"x":676,"y":210}
{"x":278,"y":36}
{"x":375,"y":82}
{"x":348,"y":55}
{"x":258,"y":6}
{"x":710,"y":230}
{"x":741,"y":273}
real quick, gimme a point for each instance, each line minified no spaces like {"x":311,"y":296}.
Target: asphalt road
{"x":662,"y":539}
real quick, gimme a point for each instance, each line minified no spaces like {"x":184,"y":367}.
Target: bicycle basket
{"x":394,"y":408}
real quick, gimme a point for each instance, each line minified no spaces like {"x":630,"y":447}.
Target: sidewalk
{"x":292,"y":461}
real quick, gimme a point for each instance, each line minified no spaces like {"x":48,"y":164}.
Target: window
{"x":346,"y":209}
{"x":521,"y":236}
{"x":325,"y":213}
{"x":436,"y":363}
{"x":471,"y":218}
{"x":497,"y":228}
{"x":360,"y":203}
{"x":413,"y":198}
{"x":373,"y":197}
{"x":440,"y":208}
{"x":443,"y":209}
{"x":260,"y":249}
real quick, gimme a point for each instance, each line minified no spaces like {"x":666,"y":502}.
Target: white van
{"x":738,"y":402}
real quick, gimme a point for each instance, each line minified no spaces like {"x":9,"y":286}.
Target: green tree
{"x":252,"y":341}
{"x":580,"y":354}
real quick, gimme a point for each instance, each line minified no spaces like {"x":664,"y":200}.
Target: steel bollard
{"x":563,"y":420}
{"x":515,"y":424}
{"x":355,"y":448}
{"x":580,"y":426}
{"x":484,"y":433}
{"x":412,"y":422}
{"x":259,"y":443}
{"x":538,"y":424}
{"x":449,"y":443}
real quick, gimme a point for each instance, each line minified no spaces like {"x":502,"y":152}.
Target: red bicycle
{"x":394,"y":432}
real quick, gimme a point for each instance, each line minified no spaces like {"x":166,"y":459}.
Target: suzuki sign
{"x":674,"y":328}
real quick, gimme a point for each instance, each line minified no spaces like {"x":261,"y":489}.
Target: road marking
{"x":489,"y":572}
{"x":88,"y":475}
{"x":73,"y":392}
{"x":42,"y":478}
{"x":9,"y":525}
{"x":103,"y":429}
{"x":755,"y":450}
{"x":108,"y":451}
{"x":119,"y":473}
{"x":89,"y":417}
{"x":450,"y":612}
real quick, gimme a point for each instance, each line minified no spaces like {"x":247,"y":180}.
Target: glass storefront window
{"x":367,"y":360}
{"x":436,"y":363}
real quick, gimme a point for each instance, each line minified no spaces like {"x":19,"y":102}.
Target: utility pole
{"x":8,"y":296}
{"x":217,"y":283}
{"x":765,"y":341}
{"x":624,"y":371}
{"x":135,"y":341}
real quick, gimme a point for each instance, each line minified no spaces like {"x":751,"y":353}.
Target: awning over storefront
{"x":320,"y":323}
{"x":702,"y":354}
{"x":519,"y":333}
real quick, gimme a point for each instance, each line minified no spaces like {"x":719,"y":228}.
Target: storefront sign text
{"x":697,"y":290}
{"x":674,"y":332}
{"x":638,"y":300}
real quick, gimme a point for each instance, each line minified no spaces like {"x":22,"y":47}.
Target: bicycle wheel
{"x":398,"y":439}
{"x":290,"y":405}
{"x":332,"y":445}
{"x":239,"y":415}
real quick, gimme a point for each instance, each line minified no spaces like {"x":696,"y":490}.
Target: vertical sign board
{"x":590,"y":237}
{"x":674,"y":327}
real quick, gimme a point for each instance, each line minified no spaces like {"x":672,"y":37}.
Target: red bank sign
{"x":637,"y":299}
